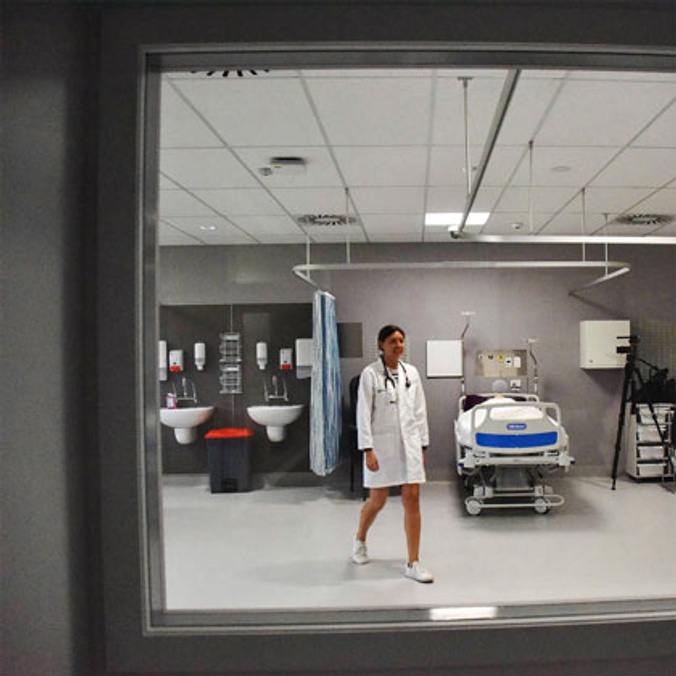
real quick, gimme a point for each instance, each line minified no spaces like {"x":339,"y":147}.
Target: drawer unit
{"x":646,"y":456}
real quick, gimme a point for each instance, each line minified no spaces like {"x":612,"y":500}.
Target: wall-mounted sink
{"x":185,"y":421}
{"x":275,"y":418}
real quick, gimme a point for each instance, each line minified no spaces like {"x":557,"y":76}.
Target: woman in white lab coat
{"x":393,"y":435}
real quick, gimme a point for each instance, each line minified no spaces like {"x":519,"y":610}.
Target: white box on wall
{"x":444,"y":359}
{"x":599,"y":341}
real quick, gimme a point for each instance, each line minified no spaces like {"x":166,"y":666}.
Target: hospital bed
{"x":504,"y":448}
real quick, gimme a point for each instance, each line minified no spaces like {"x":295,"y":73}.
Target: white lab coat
{"x":396,"y":431}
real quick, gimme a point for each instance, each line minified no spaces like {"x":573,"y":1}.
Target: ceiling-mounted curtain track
{"x":498,"y":119}
{"x":568,"y":239}
{"x":621,"y":268}
{"x":600,"y":280}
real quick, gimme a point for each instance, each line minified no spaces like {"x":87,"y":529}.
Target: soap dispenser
{"x":200,"y":353}
{"x":176,"y":361}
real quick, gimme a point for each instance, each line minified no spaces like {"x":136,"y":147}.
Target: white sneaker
{"x":416,"y":572}
{"x":359,"y":552}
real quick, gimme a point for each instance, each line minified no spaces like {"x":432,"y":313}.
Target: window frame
{"x":133,"y":577}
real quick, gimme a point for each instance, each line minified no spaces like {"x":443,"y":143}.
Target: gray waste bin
{"x":229,"y":450}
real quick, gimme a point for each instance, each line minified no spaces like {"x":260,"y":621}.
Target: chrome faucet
{"x":188,"y":391}
{"x":275,"y":394}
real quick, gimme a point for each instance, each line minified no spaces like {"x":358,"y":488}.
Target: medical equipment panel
{"x":501,"y":363}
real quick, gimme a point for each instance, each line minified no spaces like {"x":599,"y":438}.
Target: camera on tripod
{"x":634,"y":390}
{"x":627,"y":349}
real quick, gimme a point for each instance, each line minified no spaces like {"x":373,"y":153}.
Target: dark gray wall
{"x":278,"y":325}
{"x":510,"y":305}
{"x":49,"y":515}
{"x":50,"y":552}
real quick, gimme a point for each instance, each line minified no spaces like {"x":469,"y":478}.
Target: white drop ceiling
{"x":387,"y":146}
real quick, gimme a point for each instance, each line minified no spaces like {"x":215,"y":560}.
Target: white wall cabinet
{"x":599,"y":342}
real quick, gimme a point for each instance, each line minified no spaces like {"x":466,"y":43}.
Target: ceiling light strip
{"x":498,"y":119}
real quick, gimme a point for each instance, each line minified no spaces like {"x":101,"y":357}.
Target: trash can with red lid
{"x":229,"y":450}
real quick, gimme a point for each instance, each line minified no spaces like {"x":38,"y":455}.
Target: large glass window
{"x":258,"y":164}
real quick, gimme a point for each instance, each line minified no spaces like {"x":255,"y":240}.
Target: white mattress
{"x":514,"y":413}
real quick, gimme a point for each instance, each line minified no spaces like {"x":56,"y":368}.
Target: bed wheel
{"x":473,"y":506}
{"x":541,"y":505}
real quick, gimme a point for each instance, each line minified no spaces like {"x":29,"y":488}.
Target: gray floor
{"x":281,"y":548}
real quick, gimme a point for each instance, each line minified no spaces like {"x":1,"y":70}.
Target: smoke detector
{"x":324,"y":220}
{"x":646,"y":220}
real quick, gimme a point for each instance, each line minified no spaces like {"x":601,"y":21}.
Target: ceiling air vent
{"x":324,"y":220}
{"x":225,"y":73}
{"x":645,"y":220}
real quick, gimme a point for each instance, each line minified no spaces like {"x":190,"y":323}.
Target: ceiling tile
{"x":168,"y":235}
{"x":180,"y":126}
{"x":604,"y":113}
{"x":661,"y":202}
{"x":166,"y":183}
{"x":562,"y":166}
{"x":662,"y":132}
{"x":300,"y":201}
{"x":613,"y":200}
{"x":256,"y":111}
{"x":240,"y":201}
{"x":383,"y":166}
{"x":515,"y":223}
{"x":526,"y":110}
{"x":358,"y":111}
{"x":200,"y":230}
{"x":639,"y":167}
{"x":381,"y":224}
{"x":180,"y":203}
{"x":264,"y":227}
{"x":547,"y":199}
{"x":357,"y":73}
{"x":389,"y":200}
{"x":395,"y":129}
{"x":570,"y":223}
{"x":205,"y":168}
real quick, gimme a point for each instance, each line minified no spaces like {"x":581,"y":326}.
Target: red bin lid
{"x":229,"y":433}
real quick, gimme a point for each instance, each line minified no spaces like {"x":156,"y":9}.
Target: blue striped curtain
{"x":325,"y":400}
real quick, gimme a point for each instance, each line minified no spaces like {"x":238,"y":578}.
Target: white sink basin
{"x":185,"y":421}
{"x":275,"y":418}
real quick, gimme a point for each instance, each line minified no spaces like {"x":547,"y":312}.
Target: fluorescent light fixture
{"x":454,"y":217}
{"x":463,"y":613}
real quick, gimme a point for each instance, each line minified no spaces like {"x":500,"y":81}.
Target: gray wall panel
{"x":46,"y":591}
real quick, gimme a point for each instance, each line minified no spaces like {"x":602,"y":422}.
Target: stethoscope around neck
{"x":387,"y":376}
